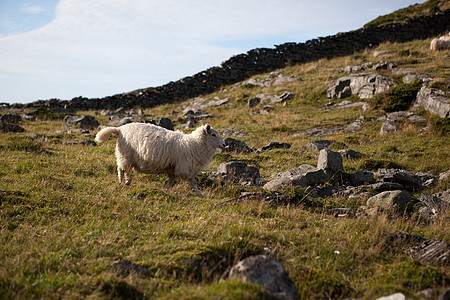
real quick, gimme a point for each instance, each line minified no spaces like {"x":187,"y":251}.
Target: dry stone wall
{"x":258,"y":61}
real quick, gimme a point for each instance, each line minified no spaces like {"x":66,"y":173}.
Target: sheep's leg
{"x":127,"y":177}
{"x":120,"y":172}
{"x":170,"y":182}
{"x":194,"y":185}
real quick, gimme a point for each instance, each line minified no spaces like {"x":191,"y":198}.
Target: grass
{"x":65,"y":218}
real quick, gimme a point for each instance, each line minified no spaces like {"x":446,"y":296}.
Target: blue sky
{"x":96,"y":48}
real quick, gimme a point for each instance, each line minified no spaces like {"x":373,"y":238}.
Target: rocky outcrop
{"x":362,"y":85}
{"x":83,"y":122}
{"x":435,"y":101}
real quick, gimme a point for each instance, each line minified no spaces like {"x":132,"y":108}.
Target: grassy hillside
{"x":65,"y":218}
{"x":415,"y":10}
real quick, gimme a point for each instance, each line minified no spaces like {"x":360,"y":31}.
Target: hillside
{"x":66,"y":219}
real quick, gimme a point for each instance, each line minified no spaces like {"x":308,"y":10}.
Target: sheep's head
{"x":213,"y":137}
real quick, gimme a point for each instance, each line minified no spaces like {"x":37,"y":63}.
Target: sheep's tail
{"x":105,"y":133}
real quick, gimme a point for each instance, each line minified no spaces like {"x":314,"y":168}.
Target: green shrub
{"x":45,"y":114}
{"x":440,"y":126}
{"x":402,"y":96}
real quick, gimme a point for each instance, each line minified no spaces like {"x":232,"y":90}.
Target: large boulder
{"x":233,"y":145}
{"x":318,"y":145}
{"x":267,"y":272}
{"x":362,"y":85}
{"x":435,"y":101}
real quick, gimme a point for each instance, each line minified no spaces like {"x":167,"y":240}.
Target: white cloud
{"x":101,"y":47}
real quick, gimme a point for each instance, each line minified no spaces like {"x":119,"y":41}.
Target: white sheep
{"x":148,"y":148}
{"x":441,"y":43}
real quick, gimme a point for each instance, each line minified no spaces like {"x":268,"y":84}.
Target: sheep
{"x":441,"y":43}
{"x":148,"y":148}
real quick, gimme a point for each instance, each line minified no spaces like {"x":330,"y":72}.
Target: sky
{"x":95,"y":48}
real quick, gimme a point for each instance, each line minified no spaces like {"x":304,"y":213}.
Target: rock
{"x":274,"y":145}
{"x":381,"y":53}
{"x":237,"y":171}
{"x":396,"y":296}
{"x":386,"y":186}
{"x":197,"y":114}
{"x":410,"y":78}
{"x":444,"y":176}
{"x":248,"y":196}
{"x":11,"y":118}
{"x":355,"y":126}
{"x":405,"y":178}
{"x":10,"y":123}
{"x":433,"y":252}
{"x":163,"y":122}
{"x":267,"y":272}
{"x":233,"y":145}
{"x":350,"y":154}
{"x":253,"y":102}
{"x":216,"y":102}
{"x":287,"y":96}
{"x":330,"y":162}
{"x":125,"y":268}
{"x":397,"y":201}
{"x":388,"y":127}
{"x":383,"y":65}
{"x":435,"y":204}
{"x":342,"y":212}
{"x":119,"y":121}
{"x":362,"y":177}
{"x":304,"y":175}
{"x":340,"y":89}
{"x":83,"y":122}
{"x":318,"y":145}
{"x":362,"y":85}
{"x":435,"y":101}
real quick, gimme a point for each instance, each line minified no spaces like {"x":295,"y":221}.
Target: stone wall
{"x":261,"y":60}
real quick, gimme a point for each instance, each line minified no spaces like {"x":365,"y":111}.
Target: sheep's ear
{"x":208,"y":128}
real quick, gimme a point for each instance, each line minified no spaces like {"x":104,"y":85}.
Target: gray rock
{"x":435,"y":101}
{"x":405,"y":178}
{"x":444,"y":176}
{"x":362,"y":177}
{"x":163,"y":122}
{"x":388,"y":127}
{"x":83,"y":122}
{"x":381,"y":53}
{"x":433,"y":252}
{"x":396,"y":201}
{"x":267,"y":272}
{"x":253,"y":102}
{"x":409,"y":78}
{"x":233,"y":145}
{"x":330,"y":162}
{"x":386,"y":186}
{"x":117,"y":121}
{"x":304,"y":175}
{"x":383,"y":65}
{"x":237,"y":171}
{"x":274,"y":145}
{"x":350,"y":154}
{"x":363,"y":85}
{"x":340,"y":88}
{"x":318,"y":145}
